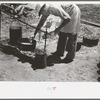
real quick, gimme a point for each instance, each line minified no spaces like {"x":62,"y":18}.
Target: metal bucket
{"x":40,"y":61}
{"x":15,"y":34}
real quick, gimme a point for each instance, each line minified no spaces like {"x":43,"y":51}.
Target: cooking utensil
{"x":26,"y":45}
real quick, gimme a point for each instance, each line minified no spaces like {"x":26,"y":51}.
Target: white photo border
{"x":44,"y":90}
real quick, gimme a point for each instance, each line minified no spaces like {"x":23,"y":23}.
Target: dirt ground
{"x":82,"y":69}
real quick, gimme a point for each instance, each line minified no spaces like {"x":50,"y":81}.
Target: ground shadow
{"x":21,"y":57}
{"x":35,"y":64}
{"x":51,"y":60}
{"x":79,"y":44}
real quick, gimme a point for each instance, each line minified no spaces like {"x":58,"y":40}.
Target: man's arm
{"x":65,"y":21}
{"x":42,"y":20}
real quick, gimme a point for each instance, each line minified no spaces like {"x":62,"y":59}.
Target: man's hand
{"x":37,"y":31}
{"x":57,"y":30}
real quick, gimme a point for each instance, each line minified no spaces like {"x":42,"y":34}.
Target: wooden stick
{"x":21,"y":20}
{"x":90,"y":23}
{"x":24,"y":22}
{"x":45,"y":41}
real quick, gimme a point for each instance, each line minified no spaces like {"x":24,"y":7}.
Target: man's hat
{"x":39,"y":8}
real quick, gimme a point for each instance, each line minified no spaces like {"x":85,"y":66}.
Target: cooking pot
{"x":90,"y":42}
{"x":25,"y":44}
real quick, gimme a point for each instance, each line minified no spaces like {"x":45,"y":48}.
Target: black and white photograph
{"x":50,"y":42}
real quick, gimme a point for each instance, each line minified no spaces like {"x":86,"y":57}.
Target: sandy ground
{"x":82,"y":69}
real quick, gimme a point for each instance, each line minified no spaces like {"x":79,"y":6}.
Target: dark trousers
{"x":68,"y":42}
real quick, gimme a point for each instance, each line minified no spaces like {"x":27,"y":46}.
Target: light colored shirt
{"x":65,"y":11}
